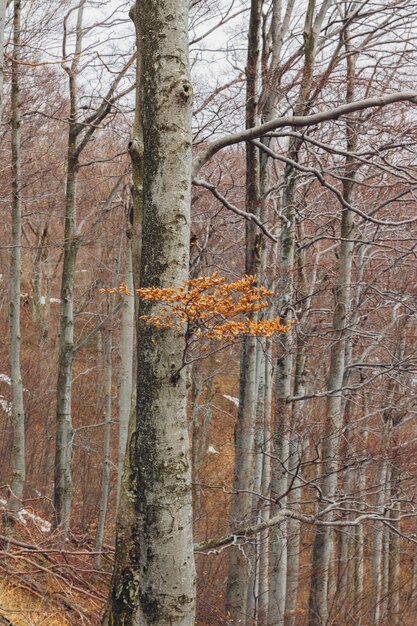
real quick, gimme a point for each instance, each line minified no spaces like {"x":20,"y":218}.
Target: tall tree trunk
{"x":239,"y":563}
{"x":18,"y":416}
{"x":126,"y":365}
{"x":257,"y":502}
{"x":384,"y":593}
{"x":105,"y":478}
{"x":265,"y":512}
{"x":3,"y":5}
{"x":64,"y":430}
{"x":294,"y":496}
{"x":123,"y":599}
{"x":164,"y":577}
{"x":323,"y":541}
{"x":79,"y":135}
{"x":377,"y":548}
{"x":285,"y":287}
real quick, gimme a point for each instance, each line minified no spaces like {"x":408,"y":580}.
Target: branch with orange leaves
{"x":209,"y":308}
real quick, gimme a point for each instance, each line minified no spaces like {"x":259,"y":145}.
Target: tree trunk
{"x":263,"y":576}
{"x":64,"y":430}
{"x":257,"y":503}
{"x":126,"y":367}
{"x":285,"y":287}
{"x":162,"y":577}
{"x":18,"y":416}
{"x":323,"y":541}
{"x":105,"y":478}
{"x":377,"y":549}
{"x":294,"y":496}
{"x":3,"y":5}
{"x":239,"y":563}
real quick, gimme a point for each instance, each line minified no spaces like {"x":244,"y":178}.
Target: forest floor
{"x":48,"y":580}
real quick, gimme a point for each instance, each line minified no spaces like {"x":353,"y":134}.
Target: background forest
{"x":303,"y":443}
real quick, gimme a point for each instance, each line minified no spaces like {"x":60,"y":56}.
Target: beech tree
{"x":80,"y":132}
{"x":161,"y":481}
{"x":18,"y":414}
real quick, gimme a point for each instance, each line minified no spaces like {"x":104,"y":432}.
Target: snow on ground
{"x":5,"y":379}
{"x":212,"y":450}
{"x":42,"y":524}
{"x":6,"y":406}
{"x":232,"y":399}
{"x":43,"y":300}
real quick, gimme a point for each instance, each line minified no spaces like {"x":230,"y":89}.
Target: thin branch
{"x":298,"y":121}
{"x":248,"y":216}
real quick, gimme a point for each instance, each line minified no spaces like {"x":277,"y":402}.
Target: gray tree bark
{"x":162,"y":576}
{"x":18,"y":415}
{"x":3,"y":6}
{"x":263,"y":575}
{"x":126,"y":365}
{"x":64,"y":430}
{"x":323,"y":541}
{"x":105,"y":476}
{"x":279,"y":482}
{"x":377,"y":548}
{"x":239,"y":559}
{"x":79,"y":135}
{"x":124,"y":593}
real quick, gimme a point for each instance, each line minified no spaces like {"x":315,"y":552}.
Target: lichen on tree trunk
{"x":161,"y":576}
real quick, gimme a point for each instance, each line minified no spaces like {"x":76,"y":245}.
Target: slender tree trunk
{"x":126,"y":366}
{"x":38,"y":257}
{"x":323,"y":541}
{"x":162,"y":577}
{"x":283,"y":386}
{"x":394,"y":581}
{"x":263,"y":576}
{"x":18,"y":416}
{"x":377,"y":550}
{"x":257,"y":503}
{"x":105,"y":478}
{"x":64,"y":430}
{"x":3,"y":5}
{"x":46,"y":309}
{"x":239,"y":562}
{"x":285,"y":287}
{"x":123,"y":599}
{"x":100,"y":371}
{"x":294,"y":496}
{"x":79,"y":135}
{"x":383,"y":615}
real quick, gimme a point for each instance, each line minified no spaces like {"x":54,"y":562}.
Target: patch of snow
{"x":43,"y":300}
{"x":43,"y":525}
{"x":6,"y":406}
{"x":5,"y":379}
{"x":232,"y":399}
{"x":213,"y":450}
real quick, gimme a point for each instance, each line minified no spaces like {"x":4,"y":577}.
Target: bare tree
{"x":161,"y":476}
{"x":18,"y":415}
{"x":80,"y":132}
